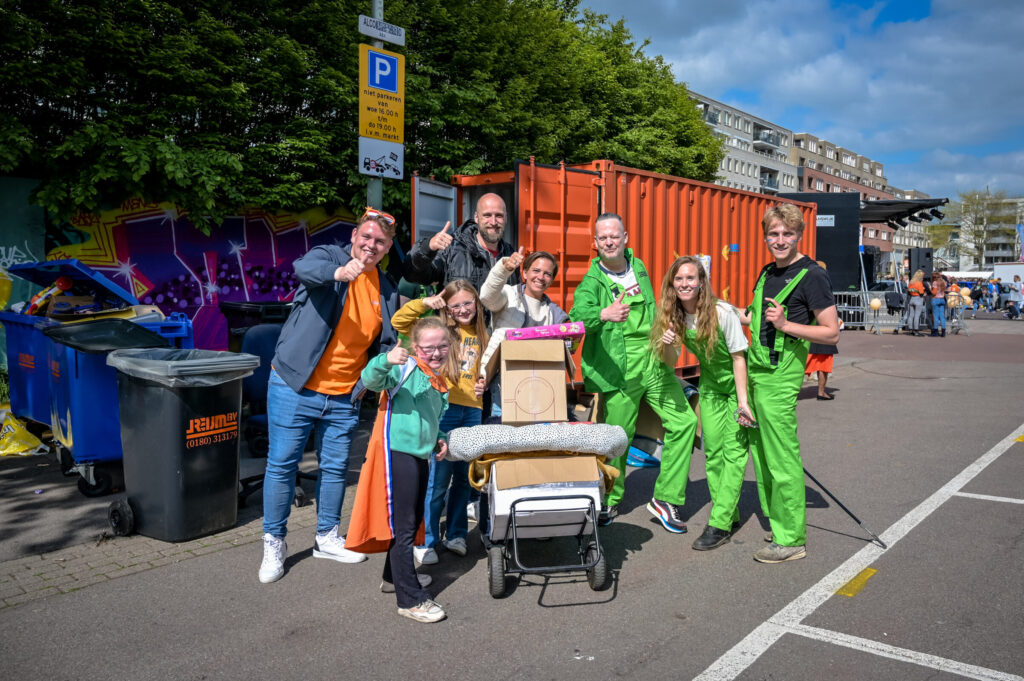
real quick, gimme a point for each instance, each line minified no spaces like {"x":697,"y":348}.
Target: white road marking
{"x":743,"y":654}
{"x":989,"y":497}
{"x":904,"y":655}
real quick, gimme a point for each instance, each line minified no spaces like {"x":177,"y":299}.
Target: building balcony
{"x":765,"y":139}
{"x":769,"y":183}
{"x":711,"y":117}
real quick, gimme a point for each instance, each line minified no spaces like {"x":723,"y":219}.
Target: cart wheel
{"x":121,"y":517}
{"x":109,"y":479}
{"x":496,"y":570}
{"x":300,"y":499}
{"x":67,"y":462}
{"x":597,"y":576}
{"x":103,"y":486}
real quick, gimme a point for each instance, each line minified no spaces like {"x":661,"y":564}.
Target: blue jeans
{"x":291,"y":417}
{"x":938,"y":313}
{"x":444,"y":472}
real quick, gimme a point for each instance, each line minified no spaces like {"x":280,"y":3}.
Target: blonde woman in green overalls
{"x":690,"y":315}
{"x":792,"y":306}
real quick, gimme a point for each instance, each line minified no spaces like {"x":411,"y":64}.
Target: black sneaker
{"x":711,"y":539}
{"x":670,"y":515}
{"x":607,"y":515}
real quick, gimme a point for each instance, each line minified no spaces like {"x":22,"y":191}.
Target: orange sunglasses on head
{"x":375,"y":214}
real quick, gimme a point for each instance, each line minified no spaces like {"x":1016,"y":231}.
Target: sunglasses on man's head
{"x":379,"y":215}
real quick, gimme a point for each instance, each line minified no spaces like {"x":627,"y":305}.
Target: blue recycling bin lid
{"x":45,"y":273}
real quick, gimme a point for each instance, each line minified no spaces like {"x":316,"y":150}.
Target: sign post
{"x":381,"y":105}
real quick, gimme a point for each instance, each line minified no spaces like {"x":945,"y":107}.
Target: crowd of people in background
{"x":343,"y":337}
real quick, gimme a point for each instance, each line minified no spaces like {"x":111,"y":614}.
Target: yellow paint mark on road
{"x":853,"y":587}
{"x":1020,"y":439}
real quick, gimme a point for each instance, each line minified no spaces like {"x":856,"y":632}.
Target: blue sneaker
{"x":670,"y":515}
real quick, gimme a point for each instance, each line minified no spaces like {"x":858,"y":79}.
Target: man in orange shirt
{"x":341,"y":317}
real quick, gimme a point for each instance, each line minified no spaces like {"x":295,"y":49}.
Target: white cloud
{"x":944,"y":84}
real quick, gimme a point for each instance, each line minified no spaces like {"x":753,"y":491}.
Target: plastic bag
{"x":16,"y":441}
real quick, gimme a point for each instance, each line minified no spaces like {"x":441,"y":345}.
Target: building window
{"x":812,"y":146}
{"x":849,"y":160}
{"x":746,"y":125}
{"x":819,"y":185}
{"x":830,"y":152}
{"x":726,"y":118}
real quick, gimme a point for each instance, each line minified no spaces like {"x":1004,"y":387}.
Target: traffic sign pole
{"x":375,"y":185}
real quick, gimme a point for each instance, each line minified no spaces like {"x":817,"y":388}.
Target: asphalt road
{"x":924,"y":443}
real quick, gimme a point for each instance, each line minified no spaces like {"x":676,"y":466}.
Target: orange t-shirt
{"x":915,"y":288}
{"x":345,"y":356}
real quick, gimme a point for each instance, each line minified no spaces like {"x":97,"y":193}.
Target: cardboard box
{"x":553,"y":478}
{"x":532,"y":380}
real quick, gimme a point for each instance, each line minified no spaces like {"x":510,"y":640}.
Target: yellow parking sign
{"x":381,"y":94}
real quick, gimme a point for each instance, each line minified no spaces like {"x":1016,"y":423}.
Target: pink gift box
{"x":566,"y":331}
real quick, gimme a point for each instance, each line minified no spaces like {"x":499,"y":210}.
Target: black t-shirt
{"x":814,"y":292}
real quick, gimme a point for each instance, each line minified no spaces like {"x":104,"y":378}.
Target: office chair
{"x":260,"y":340}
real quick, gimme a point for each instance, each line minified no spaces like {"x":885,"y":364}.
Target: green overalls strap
{"x":725,"y":441}
{"x":760,"y":355}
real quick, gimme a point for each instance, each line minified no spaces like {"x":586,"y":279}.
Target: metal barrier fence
{"x":857,"y":312}
{"x":856,"y":309}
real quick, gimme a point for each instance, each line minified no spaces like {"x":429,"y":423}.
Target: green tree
{"x":980,"y":221}
{"x":218,"y":105}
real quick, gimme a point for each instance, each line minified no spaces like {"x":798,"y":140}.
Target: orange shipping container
{"x":553,"y":208}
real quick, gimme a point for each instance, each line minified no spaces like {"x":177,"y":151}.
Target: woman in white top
{"x":517,"y":307}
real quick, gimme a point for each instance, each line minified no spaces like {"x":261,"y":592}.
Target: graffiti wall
{"x":157,"y":253}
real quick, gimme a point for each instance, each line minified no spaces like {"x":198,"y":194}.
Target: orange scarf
{"x":371,"y":527}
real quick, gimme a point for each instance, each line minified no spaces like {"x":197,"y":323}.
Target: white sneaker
{"x":332,"y":546}
{"x":427,"y":611}
{"x":389,"y":587}
{"x":274,"y":552}
{"x":472,"y":511}
{"x":424,"y":555}
{"x":456,"y":546}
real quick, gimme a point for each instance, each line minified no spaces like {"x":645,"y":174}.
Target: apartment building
{"x":826,"y":167}
{"x":756,"y":150}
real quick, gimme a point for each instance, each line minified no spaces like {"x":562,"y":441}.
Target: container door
{"x":555,"y":209}
{"x":433,"y":204}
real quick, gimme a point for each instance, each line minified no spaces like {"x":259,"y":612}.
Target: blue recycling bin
{"x":28,"y":365}
{"x":77,"y":386}
{"x":83,"y":389}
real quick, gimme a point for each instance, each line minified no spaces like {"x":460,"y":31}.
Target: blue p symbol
{"x":383,"y":72}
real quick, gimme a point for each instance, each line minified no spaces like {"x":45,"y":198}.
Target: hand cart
{"x":503,"y":557}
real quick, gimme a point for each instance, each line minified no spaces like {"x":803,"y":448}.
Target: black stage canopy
{"x":895,"y":209}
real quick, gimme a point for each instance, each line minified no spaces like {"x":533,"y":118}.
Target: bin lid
{"x":46,"y":272}
{"x":181,"y":368}
{"x":103,"y":335}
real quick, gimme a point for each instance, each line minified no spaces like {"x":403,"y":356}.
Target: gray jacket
{"x":317,"y":308}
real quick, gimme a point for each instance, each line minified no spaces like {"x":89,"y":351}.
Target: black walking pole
{"x":848,"y":511}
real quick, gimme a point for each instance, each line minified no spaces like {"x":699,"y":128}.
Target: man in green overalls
{"x":615,"y":301}
{"x":793,"y":305}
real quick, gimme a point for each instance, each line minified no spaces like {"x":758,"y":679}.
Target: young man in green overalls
{"x":792,"y":306}
{"x":615,"y":301}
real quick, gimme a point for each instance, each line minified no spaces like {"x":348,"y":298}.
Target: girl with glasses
{"x":389,"y":500}
{"x":460,"y":310}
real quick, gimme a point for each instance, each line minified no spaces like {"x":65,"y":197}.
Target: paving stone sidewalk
{"x":109,"y":557}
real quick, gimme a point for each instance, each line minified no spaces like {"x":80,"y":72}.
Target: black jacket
{"x":464,"y":259}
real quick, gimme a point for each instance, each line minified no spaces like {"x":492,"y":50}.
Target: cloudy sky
{"x":934,"y":90}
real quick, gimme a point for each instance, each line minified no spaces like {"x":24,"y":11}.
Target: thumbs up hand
{"x":617,"y":311}
{"x":442,"y":239}
{"x":513,"y":261}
